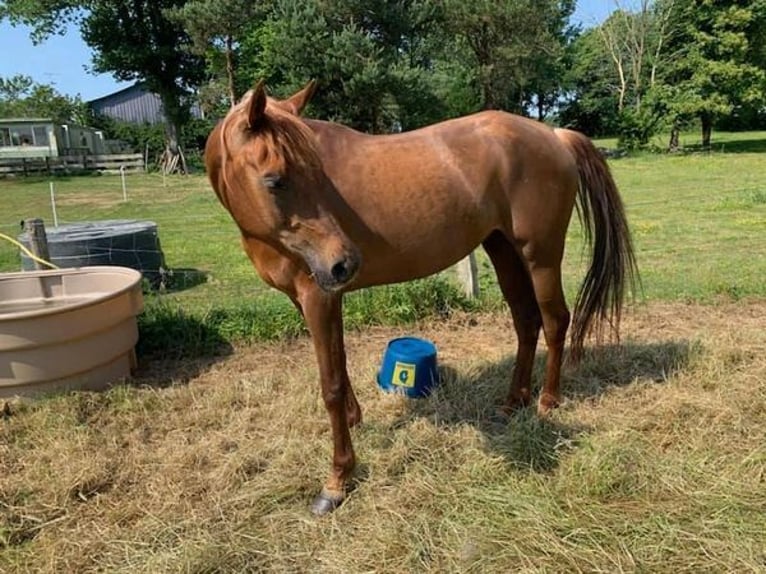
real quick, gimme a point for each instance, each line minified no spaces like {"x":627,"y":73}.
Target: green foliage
{"x":213,"y":22}
{"x":615,"y":74}
{"x":743,"y":118}
{"x":454,"y":84}
{"x":544,"y":86}
{"x":136,"y":41}
{"x":593,"y":110}
{"x":667,"y":63}
{"x":172,"y":330}
{"x":387,"y":66}
{"x":366,"y":55}
{"x":635,"y":128}
{"x":215,"y":28}
{"x":136,"y":135}
{"x":718,"y":67}
{"x":46,"y":17}
{"x":22,"y":97}
{"x":510,"y":46}
{"x":151,"y":137}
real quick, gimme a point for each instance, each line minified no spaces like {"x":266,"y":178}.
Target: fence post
{"x":468,"y":273}
{"x":38,"y":240}
{"x":124,"y":186}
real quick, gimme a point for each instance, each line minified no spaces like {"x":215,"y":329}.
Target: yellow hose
{"x":28,"y":252}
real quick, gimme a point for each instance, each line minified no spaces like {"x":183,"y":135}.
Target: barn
{"x":134,"y":104}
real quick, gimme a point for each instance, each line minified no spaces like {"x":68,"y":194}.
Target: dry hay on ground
{"x":656,"y":461}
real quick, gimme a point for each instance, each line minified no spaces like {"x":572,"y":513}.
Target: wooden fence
{"x":72,"y":163}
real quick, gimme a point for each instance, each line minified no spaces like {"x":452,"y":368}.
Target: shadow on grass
{"x":610,"y":366}
{"x":523,"y":439}
{"x":36,"y":177}
{"x":181,"y":279}
{"x":734,"y":146}
{"x":175,"y":347}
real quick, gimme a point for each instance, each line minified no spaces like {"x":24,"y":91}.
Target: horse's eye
{"x":274,"y":181}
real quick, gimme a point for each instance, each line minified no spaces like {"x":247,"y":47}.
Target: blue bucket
{"x":409,"y":367}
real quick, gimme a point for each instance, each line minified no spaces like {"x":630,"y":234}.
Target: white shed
{"x":39,"y":137}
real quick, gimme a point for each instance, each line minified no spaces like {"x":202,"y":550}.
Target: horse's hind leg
{"x":545,"y":270}
{"x":516,"y":286}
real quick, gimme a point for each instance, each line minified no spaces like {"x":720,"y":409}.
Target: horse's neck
{"x":337,"y":142}
{"x":332,"y":130}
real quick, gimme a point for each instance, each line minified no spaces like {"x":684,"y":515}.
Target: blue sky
{"x":64,"y":60}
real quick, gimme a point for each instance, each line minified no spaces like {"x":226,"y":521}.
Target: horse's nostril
{"x":340,"y":271}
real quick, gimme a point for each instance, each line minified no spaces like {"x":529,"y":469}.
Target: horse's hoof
{"x":325,"y":503}
{"x":546,"y":404}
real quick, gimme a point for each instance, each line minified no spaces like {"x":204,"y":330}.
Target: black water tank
{"x":124,"y":242}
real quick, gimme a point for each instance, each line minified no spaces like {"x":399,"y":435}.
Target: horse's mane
{"x":279,"y":133}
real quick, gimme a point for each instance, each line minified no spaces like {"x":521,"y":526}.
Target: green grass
{"x":725,"y":142}
{"x":195,"y":232}
{"x":699,"y":224}
{"x":698,"y":221}
{"x":172,"y":330}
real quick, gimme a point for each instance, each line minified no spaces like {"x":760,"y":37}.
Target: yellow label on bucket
{"x":404,"y":375}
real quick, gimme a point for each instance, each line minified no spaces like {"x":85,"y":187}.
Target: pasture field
{"x":698,"y":222}
{"x":207,"y":461}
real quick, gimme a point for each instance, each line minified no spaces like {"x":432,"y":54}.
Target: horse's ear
{"x":298,"y":101}
{"x":256,"y":107}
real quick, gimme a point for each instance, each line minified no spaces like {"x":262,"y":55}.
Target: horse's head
{"x":263,"y":163}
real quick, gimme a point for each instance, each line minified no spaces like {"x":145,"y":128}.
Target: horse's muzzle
{"x":339,"y":274}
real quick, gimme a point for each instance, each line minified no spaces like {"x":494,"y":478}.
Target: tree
{"x":366,"y":54}
{"x":616,"y":67}
{"x":132,"y":39}
{"x":718,"y":61}
{"x":508,"y":40}
{"x":216,"y":27}
{"x":451,"y":77}
{"x":20,"y":96}
{"x":547,"y":82}
{"x":635,"y":38}
{"x":592,"y":106}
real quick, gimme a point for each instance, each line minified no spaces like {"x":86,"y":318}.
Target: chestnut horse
{"x":324,"y":210}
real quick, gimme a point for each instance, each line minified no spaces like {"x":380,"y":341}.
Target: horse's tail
{"x":613,"y":265}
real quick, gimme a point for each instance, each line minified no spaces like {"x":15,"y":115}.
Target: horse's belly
{"x":418,"y":250}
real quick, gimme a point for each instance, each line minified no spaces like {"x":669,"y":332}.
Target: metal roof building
{"x":134,"y":104}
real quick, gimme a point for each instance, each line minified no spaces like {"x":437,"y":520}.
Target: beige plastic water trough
{"x":67,"y":329}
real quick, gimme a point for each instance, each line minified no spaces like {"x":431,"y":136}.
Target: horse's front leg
{"x":324,"y":318}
